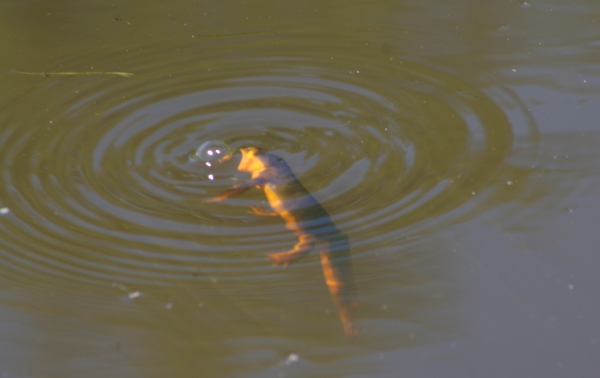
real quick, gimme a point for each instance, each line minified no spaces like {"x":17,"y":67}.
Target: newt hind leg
{"x":302,"y":248}
{"x":262,"y":212}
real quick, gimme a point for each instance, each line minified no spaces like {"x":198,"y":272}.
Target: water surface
{"x":456,"y":146}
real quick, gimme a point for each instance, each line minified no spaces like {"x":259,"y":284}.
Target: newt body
{"x":306,"y":218}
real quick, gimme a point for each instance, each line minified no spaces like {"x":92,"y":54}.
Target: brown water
{"x":457,"y":145}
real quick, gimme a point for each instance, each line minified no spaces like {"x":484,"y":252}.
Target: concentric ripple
{"x":100,"y":186}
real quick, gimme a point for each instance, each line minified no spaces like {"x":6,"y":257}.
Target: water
{"x":456,"y":146}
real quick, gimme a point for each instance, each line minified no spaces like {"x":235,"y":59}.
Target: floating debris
{"x":119,"y":286}
{"x":4,"y":210}
{"x":292,"y":358}
{"x":134,"y":294}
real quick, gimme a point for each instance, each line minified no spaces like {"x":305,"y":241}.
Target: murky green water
{"x":455,"y":145}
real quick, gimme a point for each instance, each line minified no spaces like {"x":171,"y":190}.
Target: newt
{"x":306,"y":218}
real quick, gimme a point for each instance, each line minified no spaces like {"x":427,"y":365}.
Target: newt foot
{"x":286,"y":258}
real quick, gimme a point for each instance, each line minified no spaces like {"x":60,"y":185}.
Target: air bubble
{"x":212,"y":151}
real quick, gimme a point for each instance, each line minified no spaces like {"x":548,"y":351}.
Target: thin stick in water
{"x":47,"y":74}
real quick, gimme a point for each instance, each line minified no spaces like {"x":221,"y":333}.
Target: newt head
{"x":254,"y":159}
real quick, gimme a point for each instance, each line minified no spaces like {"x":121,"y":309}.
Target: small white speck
{"x":293,"y":357}
{"x":210,"y":152}
{"x":211,"y":177}
{"x":169,"y":305}
{"x":208,"y":164}
{"x":509,"y":182}
{"x":134,"y":294}
{"x":472,"y":193}
{"x":514,"y":70}
{"x":571,"y":286}
{"x":4,"y":210}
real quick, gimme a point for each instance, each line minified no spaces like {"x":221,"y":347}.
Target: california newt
{"x":307,"y":218}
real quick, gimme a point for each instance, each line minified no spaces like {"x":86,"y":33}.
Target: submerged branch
{"x":47,"y":74}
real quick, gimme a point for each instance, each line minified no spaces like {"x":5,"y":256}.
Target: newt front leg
{"x":238,"y":188}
